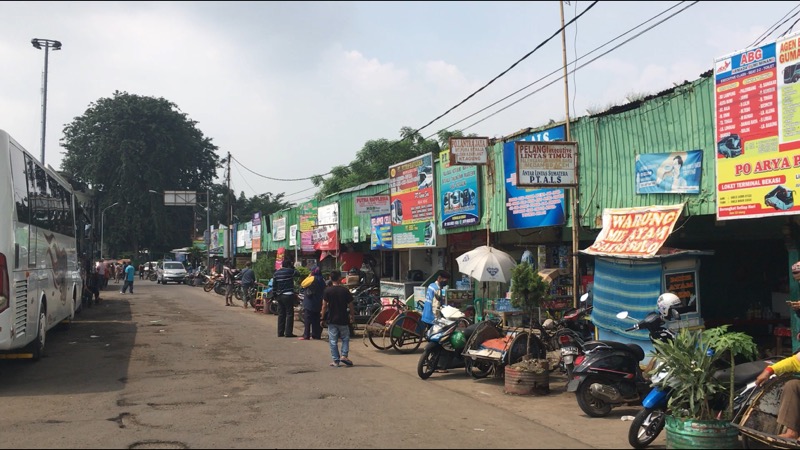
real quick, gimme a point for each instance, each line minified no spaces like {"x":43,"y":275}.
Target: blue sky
{"x":293,"y":88}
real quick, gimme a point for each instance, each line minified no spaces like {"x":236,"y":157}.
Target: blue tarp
{"x":625,"y":285}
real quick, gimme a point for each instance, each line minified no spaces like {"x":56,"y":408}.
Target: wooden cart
{"x":758,"y":425}
{"x":492,"y":347}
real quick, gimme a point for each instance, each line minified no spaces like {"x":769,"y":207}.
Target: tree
{"x":124,"y":147}
{"x":528,"y":291}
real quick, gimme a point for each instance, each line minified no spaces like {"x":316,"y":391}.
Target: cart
{"x":758,"y":425}
{"x":491,"y":347}
{"x":395,"y":326}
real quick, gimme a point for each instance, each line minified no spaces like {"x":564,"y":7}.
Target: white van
{"x":170,"y":271}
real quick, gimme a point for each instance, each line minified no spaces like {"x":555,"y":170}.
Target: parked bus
{"x":40,"y":280}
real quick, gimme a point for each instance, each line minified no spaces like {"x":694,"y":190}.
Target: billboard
{"x":413,"y":213}
{"x":380,"y":232}
{"x":669,"y":173}
{"x":459,"y":197}
{"x":757,"y":125}
{"x":372,"y":205}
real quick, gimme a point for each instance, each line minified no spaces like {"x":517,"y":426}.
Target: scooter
{"x":443,"y":351}
{"x":609,"y":375}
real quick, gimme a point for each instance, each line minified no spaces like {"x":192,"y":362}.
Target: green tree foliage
{"x":373,"y":160}
{"x":528,"y":292}
{"x":127,"y":145}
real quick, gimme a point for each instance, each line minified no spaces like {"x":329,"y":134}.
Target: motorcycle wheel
{"x":569,"y":368}
{"x":152,"y":277}
{"x":428,"y":361}
{"x":219,"y":289}
{"x":273,"y":307}
{"x":592,"y":406}
{"x":208,"y":287}
{"x":238,"y":293}
{"x":646,"y":427}
{"x":477,"y":369}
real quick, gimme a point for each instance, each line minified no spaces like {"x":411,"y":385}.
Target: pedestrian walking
{"x":336,"y":302}
{"x":283,"y":287}
{"x":248,"y":281}
{"x":227,"y":277}
{"x":141,"y":271}
{"x":129,"y":276}
{"x":312,"y":306}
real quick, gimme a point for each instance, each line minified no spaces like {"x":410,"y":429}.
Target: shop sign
{"x":546,"y":164}
{"x":669,"y":173}
{"x":532,"y":208}
{"x":279,"y":255}
{"x":684,"y":285}
{"x":293,"y":235}
{"x":469,"y":151}
{"x":635,"y":232}
{"x":328,"y":214}
{"x":380,"y":232}
{"x":459,"y":196}
{"x":372,"y":205}
{"x":307,"y":241}
{"x":279,"y":229}
{"x":757,"y":106}
{"x":325,"y":237}
{"x":256,"y":232}
{"x":412,"y":207}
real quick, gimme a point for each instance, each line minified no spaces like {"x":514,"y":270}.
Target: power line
{"x":774,"y":26}
{"x":278,"y":179}
{"x":583,"y":65}
{"x":574,"y":62}
{"x":509,"y":69}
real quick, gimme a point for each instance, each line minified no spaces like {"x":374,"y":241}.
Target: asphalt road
{"x":172,"y":367}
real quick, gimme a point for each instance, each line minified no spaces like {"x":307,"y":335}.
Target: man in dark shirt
{"x":336,"y":302}
{"x":283,"y":287}
{"x":248,"y":280}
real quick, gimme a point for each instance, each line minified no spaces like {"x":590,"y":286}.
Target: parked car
{"x":170,"y":271}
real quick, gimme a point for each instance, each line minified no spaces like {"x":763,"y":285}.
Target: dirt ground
{"x":172,"y":367}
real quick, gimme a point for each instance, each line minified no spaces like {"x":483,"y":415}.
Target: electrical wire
{"x":581,"y":66}
{"x":277,"y":179}
{"x":774,"y":27}
{"x":789,"y":29}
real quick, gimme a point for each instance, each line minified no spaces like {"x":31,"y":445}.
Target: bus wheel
{"x":37,"y":346}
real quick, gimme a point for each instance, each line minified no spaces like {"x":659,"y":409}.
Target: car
{"x":170,"y":271}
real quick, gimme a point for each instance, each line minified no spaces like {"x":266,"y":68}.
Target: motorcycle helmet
{"x":457,"y":340}
{"x":667,"y":301}
{"x":549,"y":324}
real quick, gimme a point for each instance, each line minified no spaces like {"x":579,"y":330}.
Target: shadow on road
{"x":93,"y":355}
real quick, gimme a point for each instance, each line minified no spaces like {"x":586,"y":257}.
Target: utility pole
{"x":574,"y":197}
{"x":230,"y":207}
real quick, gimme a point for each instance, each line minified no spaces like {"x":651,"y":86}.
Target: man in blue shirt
{"x":283,"y":289}
{"x":434,"y":298}
{"x":129,"y":273}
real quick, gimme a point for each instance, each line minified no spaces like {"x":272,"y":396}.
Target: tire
{"x":152,"y":277}
{"x":273,"y":307}
{"x":477,"y":369}
{"x":428,"y":361}
{"x":238,"y":293}
{"x":378,"y":341}
{"x":646,"y":427}
{"x":569,"y":368}
{"x":405,"y":343}
{"x":592,"y":406}
{"x":208,"y":287}
{"x":38,"y":345}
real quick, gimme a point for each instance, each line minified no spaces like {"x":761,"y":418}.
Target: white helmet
{"x":665,"y":302}
{"x":549,"y":324}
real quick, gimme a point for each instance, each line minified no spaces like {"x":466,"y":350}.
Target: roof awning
{"x":548,"y":275}
{"x":635,"y":232}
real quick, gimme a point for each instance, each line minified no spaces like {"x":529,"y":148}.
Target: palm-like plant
{"x":691,"y":360}
{"x":528,"y":292}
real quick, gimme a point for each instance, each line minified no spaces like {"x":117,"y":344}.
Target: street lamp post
{"x":47,"y":44}
{"x":102,"y":226}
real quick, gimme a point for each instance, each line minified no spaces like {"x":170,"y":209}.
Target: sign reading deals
{"x":459,"y":196}
{"x":757,"y":105}
{"x":413,"y":207}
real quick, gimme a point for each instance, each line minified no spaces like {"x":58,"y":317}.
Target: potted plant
{"x":690,"y":361}
{"x":528,"y":292}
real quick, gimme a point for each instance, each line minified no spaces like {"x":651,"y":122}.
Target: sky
{"x":292,"y":89}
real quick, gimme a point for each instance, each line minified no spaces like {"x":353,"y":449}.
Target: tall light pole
{"x":102,"y":226}
{"x":47,"y":44}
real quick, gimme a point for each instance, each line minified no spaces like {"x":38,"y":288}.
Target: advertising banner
{"x":757,"y":107}
{"x":380,"y":232}
{"x":279,"y":229}
{"x":256,"y":232}
{"x":326,"y":237}
{"x":293,"y":235}
{"x":328,"y":214}
{"x":469,"y":151}
{"x":543,"y":164}
{"x":669,"y":173}
{"x":372,"y":205}
{"x":635,"y":232}
{"x":460,"y":196}
{"x":531,"y":208}
{"x":413,"y":206}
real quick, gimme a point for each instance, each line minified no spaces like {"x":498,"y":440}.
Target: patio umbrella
{"x":486,"y":264}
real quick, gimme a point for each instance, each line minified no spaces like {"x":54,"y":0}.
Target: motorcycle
{"x":648,"y":423}
{"x":443,"y":350}
{"x":609,"y":375}
{"x":568,"y":337}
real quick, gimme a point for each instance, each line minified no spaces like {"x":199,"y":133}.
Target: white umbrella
{"x":486,"y":264}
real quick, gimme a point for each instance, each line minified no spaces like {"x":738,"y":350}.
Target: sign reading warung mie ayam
{"x":635,"y":232}
{"x":468,"y":151}
{"x":542,"y":164}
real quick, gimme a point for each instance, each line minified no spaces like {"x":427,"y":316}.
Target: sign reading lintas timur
{"x":542,"y":164}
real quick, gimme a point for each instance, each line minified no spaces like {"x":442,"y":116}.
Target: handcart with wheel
{"x":396,"y":326}
{"x":758,"y":425}
{"x":491,"y":347}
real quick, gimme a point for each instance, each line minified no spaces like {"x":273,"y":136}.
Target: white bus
{"x":40,"y":281}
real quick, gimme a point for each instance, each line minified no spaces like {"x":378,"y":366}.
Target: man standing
{"x":312,"y":305}
{"x":227,"y":276}
{"x":434,"y":298}
{"x":283,"y":287}
{"x":141,"y":271}
{"x":336,"y":301}
{"x":129,"y":275}
{"x":248,"y":280}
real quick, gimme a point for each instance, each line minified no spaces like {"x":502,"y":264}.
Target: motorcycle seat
{"x":742,"y":374}
{"x":633,"y":348}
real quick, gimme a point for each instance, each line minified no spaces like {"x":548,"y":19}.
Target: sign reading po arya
{"x":546,"y":164}
{"x":635,"y":232}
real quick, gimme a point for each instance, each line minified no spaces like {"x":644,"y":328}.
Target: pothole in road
{"x":299,"y":371}
{"x":158,"y":444}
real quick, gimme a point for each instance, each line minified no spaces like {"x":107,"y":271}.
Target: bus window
{"x":22,"y":202}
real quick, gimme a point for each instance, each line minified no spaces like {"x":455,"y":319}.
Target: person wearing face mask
{"x":434,"y":298}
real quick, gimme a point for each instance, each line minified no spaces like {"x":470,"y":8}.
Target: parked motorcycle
{"x":609,"y":375}
{"x":446,"y":338}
